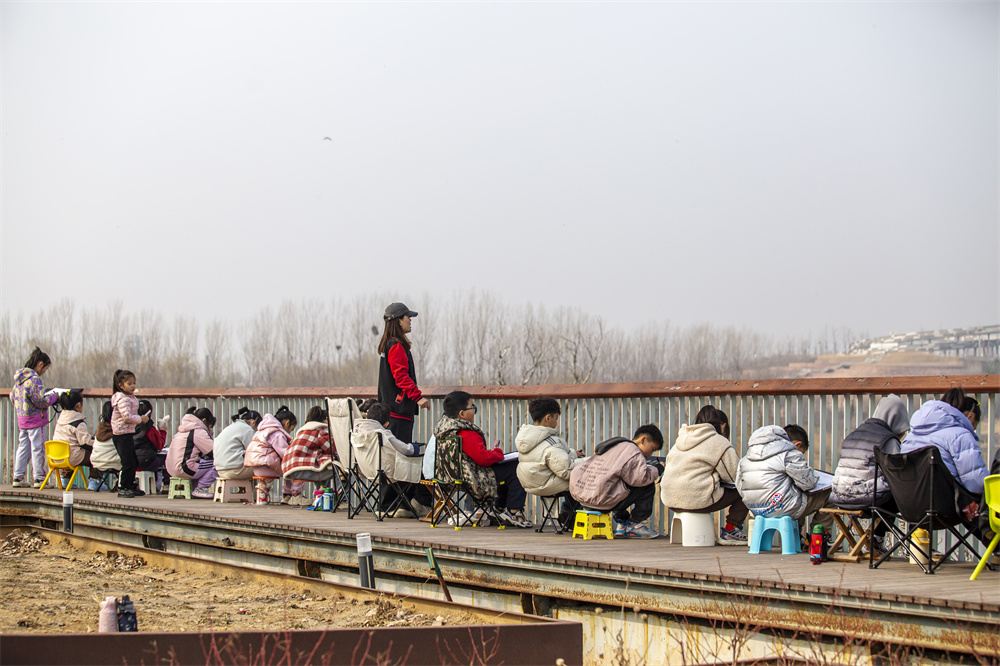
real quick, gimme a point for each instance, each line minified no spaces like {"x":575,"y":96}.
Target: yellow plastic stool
{"x":590,"y":524}
{"x":179,"y":488}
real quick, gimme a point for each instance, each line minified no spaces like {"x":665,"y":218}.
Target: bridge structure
{"x":639,"y":601}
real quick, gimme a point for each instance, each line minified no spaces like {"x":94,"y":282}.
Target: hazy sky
{"x":784,"y":166}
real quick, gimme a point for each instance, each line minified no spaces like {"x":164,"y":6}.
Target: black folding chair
{"x":550,"y":511}
{"x":928,"y":497}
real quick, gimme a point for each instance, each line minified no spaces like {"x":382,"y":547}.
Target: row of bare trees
{"x":468,"y":339}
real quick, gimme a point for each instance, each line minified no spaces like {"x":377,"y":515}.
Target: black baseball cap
{"x":396,"y":311}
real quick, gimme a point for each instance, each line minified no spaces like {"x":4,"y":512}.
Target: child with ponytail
{"x":124,"y":418}
{"x":31,"y":405}
{"x":268,"y":447}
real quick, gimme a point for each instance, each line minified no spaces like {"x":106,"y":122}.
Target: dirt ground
{"x":54,"y":588}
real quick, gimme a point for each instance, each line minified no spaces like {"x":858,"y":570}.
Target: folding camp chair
{"x":550,"y":511}
{"x":377,"y":466}
{"x":341,"y":415}
{"x":928,"y":497}
{"x":455,"y":492}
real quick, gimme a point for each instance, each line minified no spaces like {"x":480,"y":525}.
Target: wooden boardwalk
{"x":896,"y":581}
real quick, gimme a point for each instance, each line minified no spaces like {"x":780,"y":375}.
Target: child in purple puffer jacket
{"x":31,"y":406}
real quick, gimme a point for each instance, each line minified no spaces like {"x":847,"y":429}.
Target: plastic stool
{"x":179,"y":488}
{"x":763,"y":533}
{"x":693,"y":529}
{"x":233,"y":490}
{"x":590,"y":524}
{"x":146,"y":482}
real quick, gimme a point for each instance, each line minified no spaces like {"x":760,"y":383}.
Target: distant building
{"x":980,"y":341}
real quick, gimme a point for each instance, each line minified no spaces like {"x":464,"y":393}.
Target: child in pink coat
{"x":190,"y":452}
{"x":268,"y":447}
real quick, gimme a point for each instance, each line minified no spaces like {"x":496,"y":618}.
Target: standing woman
{"x":397,"y":378}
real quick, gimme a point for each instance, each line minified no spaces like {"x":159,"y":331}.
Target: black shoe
{"x":138,"y":493}
{"x":126,"y":492}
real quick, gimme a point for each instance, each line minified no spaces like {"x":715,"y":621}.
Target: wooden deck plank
{"x":896,"y":579}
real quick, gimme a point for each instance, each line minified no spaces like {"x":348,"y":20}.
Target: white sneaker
{"x":298,"y":500}
{"x":37,"y":484}
{"x":403,"y":513}
{"x":285,"y":499}
{"x":21,"y":483}
{"x":421,"y":509}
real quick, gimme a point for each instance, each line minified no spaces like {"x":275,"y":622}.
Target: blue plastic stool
{"x":763,"y":534}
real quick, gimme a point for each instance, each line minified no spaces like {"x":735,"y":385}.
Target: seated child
{"x":483,"y":470}
{"x":268,"y":447}
{"x":696,"y":468}
{"x":854,"y":480}
{"x":618,"y":478}
{"x":774,"y":479}
{"x":72,"y":428}
{"x":231,"y":444}
{"x":396,"y":467}
{"x":545,"y":459}
{"x":149,"y":441}
{"x":104,"y":456}
{"x":941,"y":423}
{"x":190,"y":452}
{"x":309,"y":456}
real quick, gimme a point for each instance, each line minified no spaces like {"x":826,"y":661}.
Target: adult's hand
{"x":424,"y":403}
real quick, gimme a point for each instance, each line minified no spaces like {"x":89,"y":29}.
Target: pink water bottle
{"x":108,"y":620}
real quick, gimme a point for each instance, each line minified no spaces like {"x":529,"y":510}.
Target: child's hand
{"x":145,"y":418}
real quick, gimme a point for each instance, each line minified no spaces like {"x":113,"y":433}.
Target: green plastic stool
{"x":179,"y":488}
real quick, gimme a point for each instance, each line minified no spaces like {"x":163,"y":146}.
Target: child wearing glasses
{"x":485,"y":470}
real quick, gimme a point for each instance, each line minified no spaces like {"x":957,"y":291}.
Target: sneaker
{"x":734,"y":537}
{"x":285,"y":499}
{"x":299,"y":500}
{"x":94,"y":485}
{"x":403,"y":513}
{"x":621,"y":526}
{"x":477,"y":519}
{"x":20,"y":483}
{"x":203,"y":492}
{"x":640,"y":531}
{"x":137,"y":493}
{"x":126,"y":492}
{"x":37,"y":483}
{"x":421,"y":509}
{"x":517,"y":519}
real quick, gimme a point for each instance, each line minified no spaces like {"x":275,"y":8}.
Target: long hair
{"x":393,"y":331}
{"x":37,"y":356}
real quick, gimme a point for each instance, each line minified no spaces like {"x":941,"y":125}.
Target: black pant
{"x":125,"y":446}
{"x":640,"y":500}
{"x":510,"y":493}
{"x":567,"y":513}
{"x":401,"y":428}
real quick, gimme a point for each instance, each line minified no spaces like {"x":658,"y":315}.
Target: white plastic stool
{"x":146,"y":482}
{"x":234,"y":490}
{"x":693,"y":529}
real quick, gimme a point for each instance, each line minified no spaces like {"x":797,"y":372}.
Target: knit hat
{"x":892,"y":410}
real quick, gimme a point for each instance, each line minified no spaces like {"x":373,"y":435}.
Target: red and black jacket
{"x":397,"y":381}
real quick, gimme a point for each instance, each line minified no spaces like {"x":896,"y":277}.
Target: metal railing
{"x":828,"y":409}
